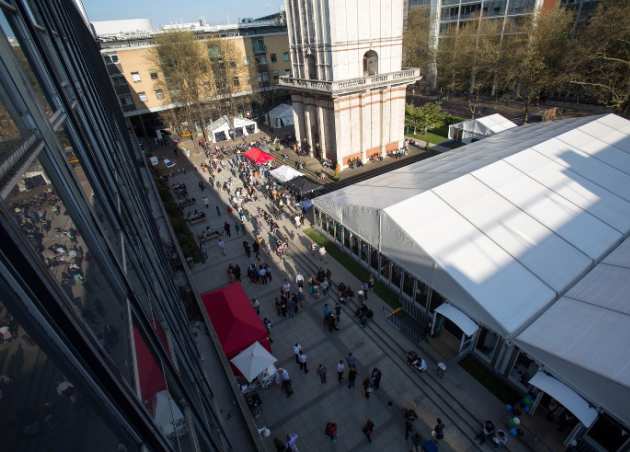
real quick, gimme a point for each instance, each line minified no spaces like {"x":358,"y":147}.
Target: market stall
{"x":234,"y":319}
{"x":285,"y":173}
{"x":258,"y":156}
{"x":222,"y":129}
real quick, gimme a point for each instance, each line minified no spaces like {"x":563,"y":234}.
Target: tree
{"x":601,"y":63}
{"x":185,"y":67}
{"x":418,"y":48}
{"x":536,"y":61}
{"x":429,"y":116}
{"x":410,"y":118}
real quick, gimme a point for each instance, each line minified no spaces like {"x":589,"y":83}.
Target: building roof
{"x":524,"y":232}
{"x":122,"y":27}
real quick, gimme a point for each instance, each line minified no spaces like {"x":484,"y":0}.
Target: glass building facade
{"x":96,"y":349}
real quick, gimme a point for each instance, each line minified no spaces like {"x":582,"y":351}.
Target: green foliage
{"x":360,"y":272}
{"x":184,"y":235}
{"x":429,"y":116}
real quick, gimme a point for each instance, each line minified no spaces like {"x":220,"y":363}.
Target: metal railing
{"x":409,"y":75}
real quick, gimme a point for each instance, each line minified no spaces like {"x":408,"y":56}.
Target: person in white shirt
{"x":299,"y":280}
{"x":340,"y":370}
{"x":302,"y":362}
{"x":297,"y":349}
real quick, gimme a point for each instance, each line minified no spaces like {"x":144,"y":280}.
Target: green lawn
{"x":380,"y":289}
{"x":430,"y":137}
{"x":493,"y":383}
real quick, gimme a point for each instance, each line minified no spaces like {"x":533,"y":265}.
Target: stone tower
{"x":347,"y":84}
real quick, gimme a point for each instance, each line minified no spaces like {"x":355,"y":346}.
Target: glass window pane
{"x":159,"y":394}
{"x":395,"y":275}
{"x":436,"y":300}
{"x":346,"y":238}
{"x":374,"y":259}
{"x":44,"y":405}
{"x":354,"y":241}
{"x":408,"y":284}
{"x":45,"y":219}
{"x":421,"y":293}
{"x":29,"y":75}
{"x":385,"y":267}
{"x":339,"y":232}
{"x":365,"y":251}
{"x":96,"y":205}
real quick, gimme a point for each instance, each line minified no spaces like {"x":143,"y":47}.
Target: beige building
{"x":347,"y":84}
{"x":261,"y":56}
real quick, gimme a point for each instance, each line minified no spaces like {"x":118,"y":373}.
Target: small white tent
{"x":220,"y":129}
{"x":285,"y":173}
{"x":280,"y":116}
{"x":475,"y":129}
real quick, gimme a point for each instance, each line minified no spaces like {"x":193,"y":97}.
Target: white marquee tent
{"x":507,"y":228}
{"x":280,"y":116}
{"x":285,"y":173}
{"x":474,"y":129}
{"x":220,"y":129}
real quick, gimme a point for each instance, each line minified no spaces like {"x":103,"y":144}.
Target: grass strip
{"x":384,"y":292}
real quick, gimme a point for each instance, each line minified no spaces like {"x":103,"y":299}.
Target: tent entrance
{"x":458,"y":325}
{"x":565,"y":396}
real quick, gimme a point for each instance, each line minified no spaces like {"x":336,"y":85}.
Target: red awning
{"x":149,"y":370}
{"x":234,"y":319}
{"x":258,"y":156}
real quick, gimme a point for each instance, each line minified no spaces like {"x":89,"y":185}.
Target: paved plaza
{"x":461,"y":402}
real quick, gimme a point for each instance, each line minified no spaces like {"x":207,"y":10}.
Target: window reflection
{"x":27,"y":70}
{"x":385,"y":267}
{"x":421,"y":293}
{"x":159,"y":397}
{"x":97,"y":207}
{"x":45,"y":220}
{"x":395,"y":275}
{"x":408,"y":284}
{"x":365,"y":251}
{"x":42,"y":407}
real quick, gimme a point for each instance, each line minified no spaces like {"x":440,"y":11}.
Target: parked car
{"x":169,"y":163}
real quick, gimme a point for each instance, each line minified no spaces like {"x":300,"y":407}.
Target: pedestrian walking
{"x":256,"y":305}
{"x":409,"y":429}
{"x":351,"y":361}
{"x":291,"y":444}
{"x":338,"y":311}
{"x":438,"y":430}
{"x":297,"y":348}
{"x":237,"y":228}
{"x":227,"y":229}
{"x":256,"y":248}
{"x":205,"y":201}
{"x":221,"y":245}
{"x":285,"y":380}
{"x":321,"y":371}
{"x":299,"y":280}
{"x":367,"y":388}
{"x":352,"y":377}
{"x":248,"y":250}
{"x":376,"y":378}
{"x":368,"y":429}
{"x":218,"y":211}
{"x":326,"y":311}
{"x":302,"y":362}
{"x":331,"y":431}
{"x":340,"y":370}
{"x":416,"y":442}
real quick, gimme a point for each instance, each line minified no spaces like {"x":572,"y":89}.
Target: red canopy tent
{"x":234,"y":319}
{"x":258,"y":156}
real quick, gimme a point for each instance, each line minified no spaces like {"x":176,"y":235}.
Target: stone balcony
{"x":404,"y":76}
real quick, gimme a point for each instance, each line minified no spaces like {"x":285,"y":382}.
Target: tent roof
{"x":253,"y":360}
{"x":258,"y":156}
{"x":223,"y":123}
{"x":303,"y":185}
{"x":507,"y":229}
{"x":495,"y":123}
{"x":234,"y":319}
{"x":527,"y":210}
{"x":583,"y":337}
{"x":285,"y":173}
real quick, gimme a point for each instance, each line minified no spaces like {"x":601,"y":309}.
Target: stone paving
{"x":313,"y":404}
